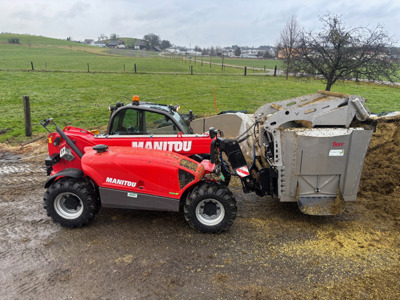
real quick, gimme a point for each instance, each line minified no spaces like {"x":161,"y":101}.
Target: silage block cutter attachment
{"x":310,"y":150}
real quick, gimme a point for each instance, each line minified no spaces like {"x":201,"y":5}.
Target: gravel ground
{"x":271,"y":251}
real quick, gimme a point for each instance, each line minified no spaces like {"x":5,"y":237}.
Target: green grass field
{"x":82,"y":99}
{"x":242,"y":62}
{"x":51,"y":58}
{"x":57,"y":55}
{"x":33,"y":40}
{"x":257,"y":63}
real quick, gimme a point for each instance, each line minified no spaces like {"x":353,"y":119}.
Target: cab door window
{"x":127,"y":122}
{"x":132,"y":121}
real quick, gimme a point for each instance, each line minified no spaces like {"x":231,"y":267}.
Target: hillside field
{"x":58,"y":55}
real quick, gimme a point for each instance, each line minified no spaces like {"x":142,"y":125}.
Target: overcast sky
{"x":188,"y":23}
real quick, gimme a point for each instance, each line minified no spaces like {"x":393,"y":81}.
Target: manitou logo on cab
{"x":176,"y":146}
{"x":120,"y":182}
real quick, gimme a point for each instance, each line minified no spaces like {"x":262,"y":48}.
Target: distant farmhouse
{"x":116,"y":44}
{"x":140,"y":45}
{"x":99,"y":44}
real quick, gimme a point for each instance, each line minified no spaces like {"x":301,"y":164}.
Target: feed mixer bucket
{"x":322,"y":167}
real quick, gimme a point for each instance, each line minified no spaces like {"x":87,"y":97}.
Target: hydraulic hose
{"x":68,"y":141}
{"x":46,"y":122}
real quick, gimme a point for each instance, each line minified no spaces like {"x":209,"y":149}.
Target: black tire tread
{"x":226,"y":172}
{"x":87,"y":194}
{"x":209,"y":189}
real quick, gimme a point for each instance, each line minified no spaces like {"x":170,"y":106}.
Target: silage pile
{"x":380,"y":182}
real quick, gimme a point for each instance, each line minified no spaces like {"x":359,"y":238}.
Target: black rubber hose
{"x":68,"y":141}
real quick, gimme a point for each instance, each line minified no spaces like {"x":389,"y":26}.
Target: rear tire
{"x":71,"y":202}
{"x":210,"y":208}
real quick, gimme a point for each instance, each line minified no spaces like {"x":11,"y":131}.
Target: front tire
{"x":225,"y":171}
{"x":210,"y":208}
{"x":71,"y":202}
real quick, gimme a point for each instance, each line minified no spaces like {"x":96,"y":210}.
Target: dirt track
{"x":272,"y":250}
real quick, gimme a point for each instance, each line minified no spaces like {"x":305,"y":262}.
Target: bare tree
{"x":289,"y":41}
{"x":102,"y":37}
{"x":338,"y":53}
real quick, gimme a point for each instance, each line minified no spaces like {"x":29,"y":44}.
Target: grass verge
{"x":82,"y":99}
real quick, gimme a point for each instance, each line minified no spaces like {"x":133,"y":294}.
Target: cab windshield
{"x":181,"y":121}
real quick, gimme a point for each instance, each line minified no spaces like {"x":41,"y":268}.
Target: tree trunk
{"x":328,"y":86}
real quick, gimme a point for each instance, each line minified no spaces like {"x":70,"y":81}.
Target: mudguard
{"x":71,"y":172}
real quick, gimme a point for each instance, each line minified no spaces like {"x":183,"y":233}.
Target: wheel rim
{"x":210,"y":212}
{"x":68,"y":205}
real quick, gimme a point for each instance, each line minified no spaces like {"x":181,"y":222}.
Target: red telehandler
{"x":308,"y":150}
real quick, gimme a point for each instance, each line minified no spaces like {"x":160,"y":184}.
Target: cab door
{"x":141,"y":122}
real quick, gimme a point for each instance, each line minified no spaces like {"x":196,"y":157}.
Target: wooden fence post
{"x":245,"y":71}
{"x":27,"y":116}
{"x":88,"y":70}
{"x":135,"y":68}
{"x":276,"y":68}
{"x":33,"y":69}
{"x":191,"y":70}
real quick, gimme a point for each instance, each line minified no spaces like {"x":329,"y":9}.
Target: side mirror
{"x":213,"y":132}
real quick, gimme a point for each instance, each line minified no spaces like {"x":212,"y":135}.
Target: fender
{"x":71,"y":172}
